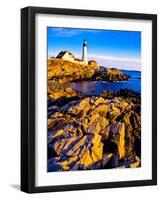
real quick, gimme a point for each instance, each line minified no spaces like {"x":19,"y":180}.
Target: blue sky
{"x":109,"y":48}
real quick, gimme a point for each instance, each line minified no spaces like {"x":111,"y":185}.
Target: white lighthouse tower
{"x":84,"y":53}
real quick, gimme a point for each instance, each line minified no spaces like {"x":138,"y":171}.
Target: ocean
{"x":97,"y":87}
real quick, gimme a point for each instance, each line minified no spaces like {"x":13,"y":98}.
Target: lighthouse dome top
{"x":84,"y":42}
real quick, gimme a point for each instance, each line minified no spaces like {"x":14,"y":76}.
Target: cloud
{"x":114,"y":58}
{"x":118,"y":62}
{"x":67,"y":32}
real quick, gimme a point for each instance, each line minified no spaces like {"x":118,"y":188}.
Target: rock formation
{"x":91,"y":132}
{"x":94,"y":132}
{"x":61,"y":71}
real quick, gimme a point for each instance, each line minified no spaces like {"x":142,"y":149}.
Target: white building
{"x":66,"y":55}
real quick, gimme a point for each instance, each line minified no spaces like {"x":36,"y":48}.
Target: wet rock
{"x":125,"y":93}
{"x":110,"y":74}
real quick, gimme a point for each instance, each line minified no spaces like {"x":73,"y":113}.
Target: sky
{"x":110,"y":48}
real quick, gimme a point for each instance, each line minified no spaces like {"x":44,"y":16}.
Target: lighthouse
{"x":84,"y":53}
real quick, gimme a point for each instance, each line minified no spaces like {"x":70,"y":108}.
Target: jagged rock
{"x":94,"y":132}
{"x":81,"y":107}
{"x":133,"y":163}
{"x":101,"y":163}
{"x":58,"y":93}
{"x":110,"y":74}
{"x":77,"y":153}
{"x":126,"y":93}
{"x":117,"y":135}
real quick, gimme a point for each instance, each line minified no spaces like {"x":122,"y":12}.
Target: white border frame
{"x":42,"y":178}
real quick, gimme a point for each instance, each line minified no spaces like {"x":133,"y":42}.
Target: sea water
{"x":97,"y":87}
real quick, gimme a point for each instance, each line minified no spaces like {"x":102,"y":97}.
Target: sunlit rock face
{"x":62,"y":71}
{"x":91,"y":132}
{"x":94,"y":132}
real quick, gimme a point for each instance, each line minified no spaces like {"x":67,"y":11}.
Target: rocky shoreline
{"x":95,"y":132}
{"x":61,"y":71}
{"x":92,"y":132}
